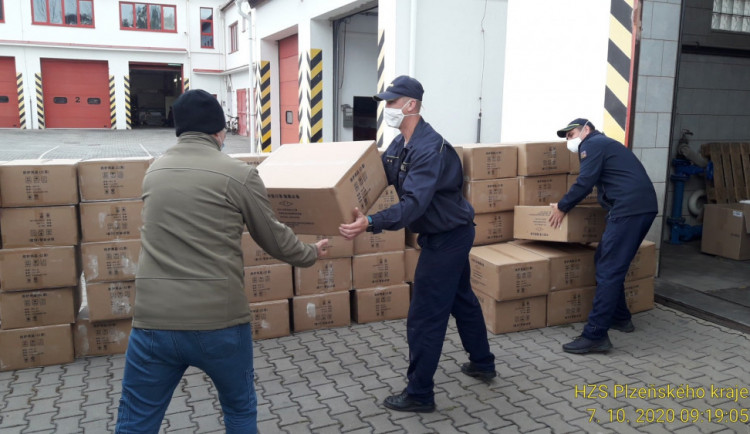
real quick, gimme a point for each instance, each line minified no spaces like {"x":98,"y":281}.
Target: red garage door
{"x":76,"y":93}
{"x":8,"y":94}
{"x":288,"y":88}
{"x":242,"y":112}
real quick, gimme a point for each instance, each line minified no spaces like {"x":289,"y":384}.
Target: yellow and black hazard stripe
{"x":316,"y":95}
{"x":112,"y":105}
{"x":264,"y":125}
{"x":185,"y":84}
{"x":128,"y":114}
{"x":21,"y":102}
{"x":381,"y":87}
{"x":39,"y":101}
{"x":303,"y":82}
{"x":617,"y":94}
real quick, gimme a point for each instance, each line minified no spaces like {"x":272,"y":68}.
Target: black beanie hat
{"x":197,"y":110}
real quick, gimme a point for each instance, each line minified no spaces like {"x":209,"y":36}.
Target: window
{"x":731,"y":15}
{"x":2,"y":13}
{"x":74,"y":13}
{"x":148,"y":17}
{"x":233,"y":37}
{"x":207,"y":28}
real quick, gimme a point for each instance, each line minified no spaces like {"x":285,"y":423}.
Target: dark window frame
{"x":148,"y":17}
{"x":63,"y":24}
{"x":211,"y":21}
{"x":234,"y":44}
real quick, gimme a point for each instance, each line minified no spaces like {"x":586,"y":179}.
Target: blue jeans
{"x":156,"y":360}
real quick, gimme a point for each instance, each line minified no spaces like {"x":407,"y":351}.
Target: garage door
{"x":76,"y":93}
{"x":288,"y":88}
{"x":8,"y":94}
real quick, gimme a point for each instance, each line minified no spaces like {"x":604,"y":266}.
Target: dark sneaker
{"x":471,"y":370}
{"x":581,"y":345}
{"x":625,"y":326}
{"x":403,"y":402}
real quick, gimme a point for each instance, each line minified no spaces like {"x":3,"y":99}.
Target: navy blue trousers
{"x":442,"y":288}
{"x":620,"y":242}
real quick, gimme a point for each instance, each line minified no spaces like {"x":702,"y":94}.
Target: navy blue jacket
{"x":624,"y":187}
{"x":428,"y":177}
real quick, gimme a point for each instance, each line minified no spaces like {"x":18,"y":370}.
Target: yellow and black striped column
{"x":21,"y":102}
{"x":381,"y":87}
{"x":112,"y":105}
{"x":128,"y":113}
{"x":39,"y":101}
{"x":303,"y":83}
{"x":185,"y":84}
{"x":264,"y":113}
{"x":316,"y":95}
{"x":619,"y":62}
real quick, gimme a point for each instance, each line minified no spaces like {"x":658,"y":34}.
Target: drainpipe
{"x":248,"y":13}
{"x":413,"y":38}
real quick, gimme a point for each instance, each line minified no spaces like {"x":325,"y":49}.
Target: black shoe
{"x":471,"y":370}
{"x":625,"y":326}
{"x":403,"y":402}
{"x":581,"y":345}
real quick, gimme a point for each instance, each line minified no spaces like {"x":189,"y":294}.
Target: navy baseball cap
{"x":575,"y":123}
{"x":403,"y":85}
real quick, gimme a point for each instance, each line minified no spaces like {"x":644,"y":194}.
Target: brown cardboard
{"x":338,"y":246}
{"x":101,"y":338}
{"x":725,"y":231}
{"x":411,"y":257}
{"x":380,"y":304}
{"x":314,"y":187}
{"x":39,"y":226}
{"x":507,"y":272}
{"x":326,"y":275}
{"x":575,"y":163}
{"x":253,"y":254}
{"x":38,"y":183}
{"x":541,"y":190}
{"x":411,"y":239}
{"x":110,"y":261}
{"x":38,"y":307}
{"x":493,"y":228}
{"x":582,"y":224}
{"x":368,"y":242}
{"x":270,"y":319}
{"x":110,"y":221}
{"x":591,"y":198}
{"x":268,"y":282}
{"x":570,"y":265}
{"x":489,"y":161}
{"x":492,"y":195}
{"x":543,"y":158}
{"x":110,"y":300}
{"x":639,"y":295}
{"x":249,"y":158}
{"x":569,"y":305}
{"x":112,"y":178}
{"x":38,"y":267}
{"x":378,"y":269}
{"x":36,"y":346}
{"x":644,"y":262}
{"x":514,"y":315}
{"x":320,"y":311}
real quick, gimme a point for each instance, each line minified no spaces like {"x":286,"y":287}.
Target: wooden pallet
{"x":731,"y":163}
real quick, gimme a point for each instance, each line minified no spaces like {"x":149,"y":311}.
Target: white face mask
{"x":573,"y":144}
{"x":394,"y":116}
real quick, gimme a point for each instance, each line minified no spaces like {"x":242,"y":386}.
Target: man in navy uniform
{"x":626,"y":191}
{"x":427,"y":174}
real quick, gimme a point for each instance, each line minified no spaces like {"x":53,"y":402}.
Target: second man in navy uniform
{"x":427,"y":174}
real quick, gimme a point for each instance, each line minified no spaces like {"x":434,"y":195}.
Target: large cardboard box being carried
{"x":110,"y":300}
{"x":38,"y":307}
{"x":639,"y":294}
{"x":485,"y":161}
{"x":543,"y":158}
{"x":38,"y":183}
{"x":582,"y":224}
{"x":385,"y":241}
{"x":314,"y":187}
{"x":541,"y":190}
{"x":513,"y":315}
{"x":270,"y":319}
{"x":325,"y":275}
{"x":268,"y":282}
{"x":112,"y":178}
{"x":338,"y":246}
{"x":251,"y":159}
{"x":109,"y":221}
{"x":38,"y":267}
{"x":320,"y":311}
{"x":101,"y":338}
{"x":570,"y":305}
{"x":492,"y":195}
{"x":378,"y":269}
{"x":39,"y":226}
{"x":110,"y":261}
{"x":493,"y":228}
{"x":726,"y":230}
{"x":381,"y":303}
{"x":570,"y":265}
{"x":507,"y":272}
{"x":36,"y":346}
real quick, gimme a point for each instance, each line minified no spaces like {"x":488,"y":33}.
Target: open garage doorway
{"x":153,"y":89}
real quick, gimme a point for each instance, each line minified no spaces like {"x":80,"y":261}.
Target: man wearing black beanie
{"x":191,"y":308}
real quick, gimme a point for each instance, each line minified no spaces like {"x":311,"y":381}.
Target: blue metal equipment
{"x":683,"y":169}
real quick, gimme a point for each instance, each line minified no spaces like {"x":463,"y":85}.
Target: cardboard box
{"x":489,"y":161}
{"x":575,"y":163}
{"x":101,"y":338}
{"x":110,"y":300}
{"x":639,"y":295}
{"x":570,"y":305}
{"x":514,"y":315}
{"x":38,"y":183}
{"x":253,"y":254}
{"x":320,"y":311}
{"x":541,"y":190}
{"x":411,"y":257}
{"x":39,"y":226}
{"x":493,"y":228}
{"x":570,"y":265}
{"x":591,"y":198}
{"x":38,"y":307}
{"x":492,"y":195}
{"x":251,"y":159}
{"x":582,"y":224}
{"x":411,"y":239}
{"x":326,"y":275}
{"x":112,"y":178}
{"x":270,"y":319}
{"x":726,"y":230}
{"x":543,"y":158}
{"x":378,"y":269}
{"x":110,"y":221}
{"x":268,"y":282}
{"x":644,"y":262}
{"x":110,"y":261}
{"x":314,"y":187}
{"x":338,"y":246}
{"x":36,"y":346}
{"x":38,"y":267}
{"x":386,"y":241}
{"x":380,"y":304}
{"x":507,"y":272}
